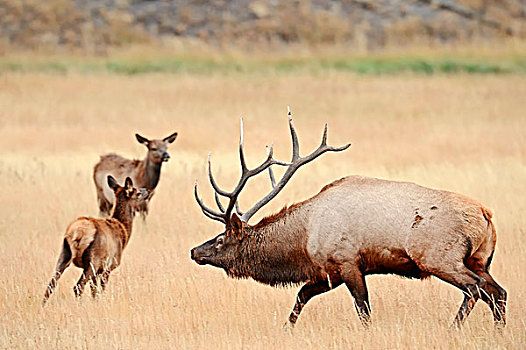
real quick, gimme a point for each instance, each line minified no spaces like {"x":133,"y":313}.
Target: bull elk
{"x":96,"y":245}
{"x":354,"y":227}
{"x":144,"y":173}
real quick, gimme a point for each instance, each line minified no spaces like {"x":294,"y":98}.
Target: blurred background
{"x":168,"y":29}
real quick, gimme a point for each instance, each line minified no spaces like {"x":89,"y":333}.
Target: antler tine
{"x":244,"y":178}
{"x":270,"y":172}
{"x":332,"y":148}
{"x":218,"y":202}
{"x":213,"y":182}
{"x":213,"y":217}
{"x":294,"y":136}
{"x":241,"y":155}
{"x":322,"y":149}
{"x":212,"y":214}
{"x":297,"y":162}
{"x":247,"y":174}
{"x":324,"y":136}
{"x":238,"y":211}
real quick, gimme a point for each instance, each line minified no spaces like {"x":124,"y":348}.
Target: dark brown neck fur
{"x":274,"y":251}
{"x":123,"y":212}
{"x":152,"y":173}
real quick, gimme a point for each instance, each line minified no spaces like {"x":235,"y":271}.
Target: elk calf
{"x":144,"y":173}
{"x":356,"y":226}
{"x":96,"y":245}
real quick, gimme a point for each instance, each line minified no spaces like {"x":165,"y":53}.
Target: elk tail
{"x":487,"y":214}
{"x":80,"y":234}
{"x":492,"y":234}
{"x":491,"y":227}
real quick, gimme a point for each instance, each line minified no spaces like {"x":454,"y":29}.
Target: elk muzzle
{"x":165,"y":157}
{"x":204,"y":254}
{"x":197,"y":256}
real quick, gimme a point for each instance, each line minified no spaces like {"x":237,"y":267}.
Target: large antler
{"x":296,"y":162}
{"x":224,"y":215}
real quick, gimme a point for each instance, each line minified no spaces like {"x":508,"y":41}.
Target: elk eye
{"x":220,"y":240}
{"x":153,"y":149}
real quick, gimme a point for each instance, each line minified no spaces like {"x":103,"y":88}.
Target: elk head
{"x":157,"y":148}
{"x":223,"y":250}
{"x":127,"y":195}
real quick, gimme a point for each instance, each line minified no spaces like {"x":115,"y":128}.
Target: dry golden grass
{"x":462,"y":133}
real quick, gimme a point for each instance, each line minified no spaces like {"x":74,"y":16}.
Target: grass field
{"x":508,"y":57}
{"x":464,"y":133}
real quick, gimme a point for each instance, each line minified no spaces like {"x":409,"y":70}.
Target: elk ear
{"x":128,"y":184}
{"x":236,"y":224}
{"x":112,"y":183}
{"x":142,"y":139}
{"x":170,"y":138}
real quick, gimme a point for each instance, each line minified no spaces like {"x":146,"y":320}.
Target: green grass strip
{"x":374,"y":66}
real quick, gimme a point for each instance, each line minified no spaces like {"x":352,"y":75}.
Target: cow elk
{"x":354,"y":227}
{"x":96,"y":245}
{"x":144,"y":173}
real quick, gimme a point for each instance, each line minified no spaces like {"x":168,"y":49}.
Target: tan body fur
{"x":96,"y":245}
{"x":392,"y":223}
{"x":120,"y":168}
{"x":144,"y":173}
{"x":111,"y":237}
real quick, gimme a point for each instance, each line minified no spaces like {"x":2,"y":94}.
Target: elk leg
{"x":93,"y":285}
{"x":495,"y":296}
{"x":307,"y":292}
{"x":63,"y":262}
{"x":87,"y":275}
{"x":467,"y":281}
{"x":355,"y":282}
{"x":79,"y":287}
{"x":465,"y":309}
{"x":109,"y":266}
{"x":104,"y":279}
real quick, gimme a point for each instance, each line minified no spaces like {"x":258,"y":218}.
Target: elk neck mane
{"x":274,"y":251}
{"x":151,"y":173}
{"x":124,"y":214}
